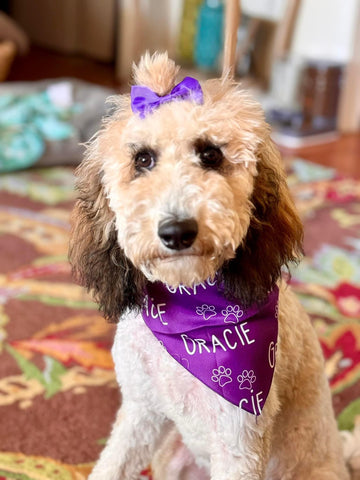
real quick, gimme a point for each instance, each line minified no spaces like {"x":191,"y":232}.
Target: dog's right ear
{"x":97,"y":260}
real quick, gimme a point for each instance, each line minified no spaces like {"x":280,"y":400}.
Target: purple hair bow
{"x":144,"y":100}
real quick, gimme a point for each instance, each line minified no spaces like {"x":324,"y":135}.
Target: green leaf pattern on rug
{"x":346,"y":419}
{"x":50,"y":378}
{"x":329,"y":266}
{"x":52,"y":375}
{"x":41,"y":185}
{"x":22,"y":467}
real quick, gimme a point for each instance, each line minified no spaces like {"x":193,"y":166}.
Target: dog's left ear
{"x":275,"y":235}
{"x":97,"y":260}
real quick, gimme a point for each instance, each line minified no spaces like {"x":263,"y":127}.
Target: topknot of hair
{"x":156,"y":72}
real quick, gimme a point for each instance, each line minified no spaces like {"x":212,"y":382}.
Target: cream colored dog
{"x":183,"y":192}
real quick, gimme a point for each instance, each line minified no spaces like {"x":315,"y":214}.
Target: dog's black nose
{"x":178,"y":234}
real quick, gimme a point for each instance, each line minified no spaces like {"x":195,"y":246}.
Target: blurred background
{"x":301,"y":58}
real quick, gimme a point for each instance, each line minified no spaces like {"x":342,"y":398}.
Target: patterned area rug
{"x":58,"y":394}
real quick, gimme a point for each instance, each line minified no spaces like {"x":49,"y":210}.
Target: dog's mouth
{"x":186,"y":267}
{"x":191,"y":254}
{"x":180,"y":268}
{"x":174,"y":257}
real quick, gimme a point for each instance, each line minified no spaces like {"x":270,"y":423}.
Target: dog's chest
{"x":147,"y":373}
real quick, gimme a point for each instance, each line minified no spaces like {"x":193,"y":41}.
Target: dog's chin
{"x":183,"y":269}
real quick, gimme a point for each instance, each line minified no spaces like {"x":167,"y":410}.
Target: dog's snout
{"x":178,"y":234}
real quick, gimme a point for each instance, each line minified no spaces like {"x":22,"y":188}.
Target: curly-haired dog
{"x":183,"y":224}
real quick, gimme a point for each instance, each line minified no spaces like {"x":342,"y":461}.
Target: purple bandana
{"x":229,"y":348}
{"x":144,"y":100}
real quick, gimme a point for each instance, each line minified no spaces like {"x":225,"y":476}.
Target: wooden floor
{"x":343,"y":154}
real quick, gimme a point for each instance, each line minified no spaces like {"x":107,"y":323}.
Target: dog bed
{"x":45,"y":123}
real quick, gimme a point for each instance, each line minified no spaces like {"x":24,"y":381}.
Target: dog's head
{"x":184,"y":192}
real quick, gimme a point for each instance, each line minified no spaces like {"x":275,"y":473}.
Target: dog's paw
{"x":206,"y":311}
{"x":246,"y":379}
{"x":222,"y":376}
{"x":232,"y":313}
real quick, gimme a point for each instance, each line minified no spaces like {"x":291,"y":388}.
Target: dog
{"x":182,"y":228}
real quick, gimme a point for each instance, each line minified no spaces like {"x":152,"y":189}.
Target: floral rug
{"x":58,"y":395}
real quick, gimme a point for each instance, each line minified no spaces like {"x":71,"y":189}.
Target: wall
{"x":272,"y":10}
{"x":71,"y":26}
{"x":145,"y":25}
{"x":325,"y":30}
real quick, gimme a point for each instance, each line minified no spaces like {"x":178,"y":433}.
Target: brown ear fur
{"x":274,"y":237}
{"x":97,"y":260}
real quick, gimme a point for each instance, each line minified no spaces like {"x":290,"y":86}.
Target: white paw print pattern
{"x":206,"y":311}
{"x":246,"y":380}
{"x":221,"y":375}
{"x":232,"y":313}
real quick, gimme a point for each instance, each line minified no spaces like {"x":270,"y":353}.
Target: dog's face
{"x":179,"y":183}
{"x":183,"y":193}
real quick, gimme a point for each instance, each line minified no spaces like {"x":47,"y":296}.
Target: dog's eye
{"x":145,"y":160}
{"x":211,"y":156}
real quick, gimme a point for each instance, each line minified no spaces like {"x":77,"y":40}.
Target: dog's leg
{"x":129,"y":449}
{"x":241,"y":462}
{"x":174,"y":461}
{"x":241,"y":442}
